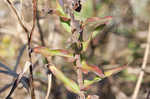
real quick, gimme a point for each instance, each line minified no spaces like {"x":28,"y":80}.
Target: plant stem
{"x":79,"y":76}
{"x":140,"y":78}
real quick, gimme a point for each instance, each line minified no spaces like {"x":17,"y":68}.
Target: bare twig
{"x":40,"y":30}
{"x":49,"y":85}
{"x":140,"y":78}
{"x":19,"y":19}
{"x":34,"y":19}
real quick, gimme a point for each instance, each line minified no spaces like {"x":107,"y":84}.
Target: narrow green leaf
{"x":114,"y":71}
{"x":93,"y":68}
{"x":93,"y":25}
{"x":107,"y":73}
{"x":86,"y":43}
{"x":53,"y":52}
{"x":64,"y":18}
{"x":69,"y":84}
{"x":66,"y":26}
{"x":87,"y":83}
{"x":60,"y":7}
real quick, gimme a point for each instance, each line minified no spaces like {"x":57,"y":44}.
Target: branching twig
{"x":29,"y":37}
{"x":138,"y":84}
{"x":34,"y":3}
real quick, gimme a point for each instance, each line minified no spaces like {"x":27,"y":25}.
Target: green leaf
{"x":86,"y":43}
{"x":69,"y":84}
{"x":93,"y":68}
{"x":53,"y":52}
{"x":60,"y":7}
{"x":87,"y":83}
{"x":66,"y":26}
{"x":64,"y":18}
{"x":114,"y":71}
{"x":107,"y":73}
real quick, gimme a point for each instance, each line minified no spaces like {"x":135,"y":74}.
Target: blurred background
{"x":122,"y":42}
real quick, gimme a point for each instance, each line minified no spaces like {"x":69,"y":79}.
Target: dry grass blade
{"x":140,"y":78}
{"x":49,"y":85}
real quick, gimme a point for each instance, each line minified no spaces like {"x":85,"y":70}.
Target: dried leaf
{"x":95,"y":24}
{"x":69,"y":84}
{"x":97,"y":20}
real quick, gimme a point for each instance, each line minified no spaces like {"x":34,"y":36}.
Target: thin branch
{"x":140,"y":78}
{"x":39,"y":28}
{"x":43,"y":44}
{"x":34,"y":4}
{"x":19,"y":19}
{"x":29,"y":39}
{"x":34,"y":19}
{"x":19,"y":57}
